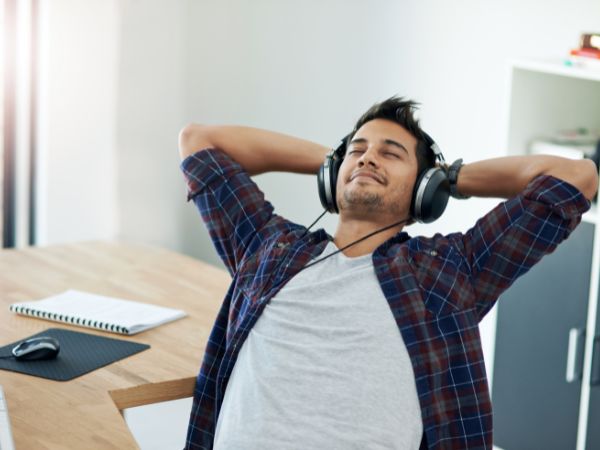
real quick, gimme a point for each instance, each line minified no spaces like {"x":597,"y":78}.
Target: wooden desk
{"x":85,"y":412}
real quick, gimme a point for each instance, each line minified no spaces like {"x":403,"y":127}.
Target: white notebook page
{"x":132,"y":315}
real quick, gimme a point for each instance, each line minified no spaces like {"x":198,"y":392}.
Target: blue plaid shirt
{"x":438,"y":288}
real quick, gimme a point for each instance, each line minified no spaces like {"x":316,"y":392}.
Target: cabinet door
{"x":534,"y":406}
{"x":593,"y":430}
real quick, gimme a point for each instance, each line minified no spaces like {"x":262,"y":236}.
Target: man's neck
{"x":350,"y":230}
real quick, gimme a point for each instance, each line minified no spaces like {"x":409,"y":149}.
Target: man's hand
{"x":508,"y":176}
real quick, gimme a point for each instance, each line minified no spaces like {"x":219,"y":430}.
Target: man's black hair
{"x":401,"y":111}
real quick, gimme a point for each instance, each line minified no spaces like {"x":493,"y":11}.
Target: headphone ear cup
{"x":334,"y":177}
{"x":321,"y":186}
{"x":327,"y":182}
{"x":430,"y":195}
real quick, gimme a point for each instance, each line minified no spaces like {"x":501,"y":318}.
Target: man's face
{"x":379,"y":171}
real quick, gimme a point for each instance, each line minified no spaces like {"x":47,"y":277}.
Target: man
{"x":376,"y":346}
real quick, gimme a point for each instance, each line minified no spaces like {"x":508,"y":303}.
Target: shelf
{"x":546,"y":96}
{"x":557,"y":67}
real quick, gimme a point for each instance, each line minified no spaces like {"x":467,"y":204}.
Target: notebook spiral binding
{"x":72,"y":320}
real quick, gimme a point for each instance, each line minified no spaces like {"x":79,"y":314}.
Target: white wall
{"x":151,"y":102}
{"x":77,"y":185}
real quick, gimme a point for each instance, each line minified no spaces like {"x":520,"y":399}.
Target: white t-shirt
{"x":324,"y":367}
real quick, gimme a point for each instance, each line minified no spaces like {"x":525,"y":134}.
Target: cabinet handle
{"x":595,"y":378}
{"x":574,"y":371}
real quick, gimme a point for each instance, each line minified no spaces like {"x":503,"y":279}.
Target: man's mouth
{"x":368,"y":174}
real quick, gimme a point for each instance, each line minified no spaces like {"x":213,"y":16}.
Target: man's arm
{"x":508,"y":176}
{"x":256,"y":150}
{"x":516,"y":234}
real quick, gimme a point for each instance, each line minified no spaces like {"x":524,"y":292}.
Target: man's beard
{"x":368,"y":201}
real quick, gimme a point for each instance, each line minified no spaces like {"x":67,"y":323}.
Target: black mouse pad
{"x":79,"y":354}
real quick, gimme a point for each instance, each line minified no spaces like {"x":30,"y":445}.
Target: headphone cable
{"x":403,"y":221}
{"x":331,"y":254}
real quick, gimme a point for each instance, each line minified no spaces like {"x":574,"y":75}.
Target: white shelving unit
{"x":546,"y":96}
{"x":549,"y":96}
{"x":556,"y":67}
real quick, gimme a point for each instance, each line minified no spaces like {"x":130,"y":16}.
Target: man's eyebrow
{"x":396,"y":144}
{"x":358,"y":141}
{"x":385,"y":141}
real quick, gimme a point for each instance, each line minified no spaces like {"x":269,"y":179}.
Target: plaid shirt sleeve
{"x":231,"y":204}
{"x":510,"y":239}
{"x":238,"y":218}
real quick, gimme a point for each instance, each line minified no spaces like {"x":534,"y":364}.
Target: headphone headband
{"x":433,"y":147}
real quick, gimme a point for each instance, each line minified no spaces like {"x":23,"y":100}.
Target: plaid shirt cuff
{"x":564,"y":198}
{"x":203,"y":167}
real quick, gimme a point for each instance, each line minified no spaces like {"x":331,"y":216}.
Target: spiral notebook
{"x":99,"y":312}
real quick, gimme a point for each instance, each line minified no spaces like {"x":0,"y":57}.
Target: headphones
{"x":430,"y":194}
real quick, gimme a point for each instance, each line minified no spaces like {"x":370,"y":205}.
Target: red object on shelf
{"x":587,"y":52}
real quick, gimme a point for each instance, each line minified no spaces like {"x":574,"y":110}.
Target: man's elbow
{"x":589,"y":178}
{"x":192,"y":138}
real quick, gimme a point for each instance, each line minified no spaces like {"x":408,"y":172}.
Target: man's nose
{"x":368,"y":158}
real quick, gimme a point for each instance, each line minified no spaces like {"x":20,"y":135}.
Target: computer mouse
{"x":35,"y":349}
